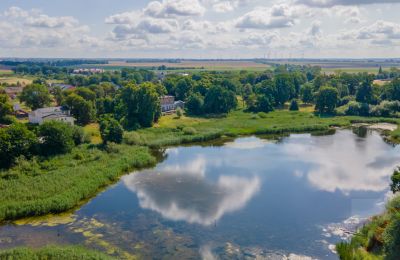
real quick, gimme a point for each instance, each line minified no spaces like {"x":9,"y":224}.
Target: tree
{"x":81,"y":109}
{"x":285,"y":88}
{"x":86,"y":93}
{"x":35,"y":96}
{"x":219,"y":100}
{"x":294,"y":106}
{"x":194,"y":104}
{"x":15,"y":141}
{"x":6,"y":108}
{"x":326,"y":100}
{"x":138,"y":106}
{"x":395,"y":186}
{"x":392,"y":90}
{"x":364,"y":92}
{"x":111,"y":130}
{"x":57,"y":138}
{"x":183,"y":88}
{"x":306,"y":93}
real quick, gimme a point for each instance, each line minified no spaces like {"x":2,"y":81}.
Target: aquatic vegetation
{"x":53,"y":252}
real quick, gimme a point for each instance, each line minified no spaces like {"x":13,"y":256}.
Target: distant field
{"x":191,"y":65}
{"x":5,"y":72}
{"x":353,"y":70}
{"x":15,"y":80}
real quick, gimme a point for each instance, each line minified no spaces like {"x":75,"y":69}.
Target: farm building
{"x":168,"y":104}
{"x":42,"y":115}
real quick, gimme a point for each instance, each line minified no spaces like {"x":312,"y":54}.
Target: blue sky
{"x":200,"y":28}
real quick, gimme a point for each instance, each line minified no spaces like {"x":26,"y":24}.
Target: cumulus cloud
{"x":36,"y":30}
{"x":278,"y":16}
{"x":330,"y":3}
{"x":168,"y":8}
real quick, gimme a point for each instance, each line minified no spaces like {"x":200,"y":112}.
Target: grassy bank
{"x":174,"y":131}
{"x":55,"y":185}
{"x":379,"y":239}
{"x":52,"y":253}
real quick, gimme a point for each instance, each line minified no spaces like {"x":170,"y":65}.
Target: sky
{"x":216,"y":29}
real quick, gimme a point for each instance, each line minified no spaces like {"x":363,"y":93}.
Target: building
{"x":168,"y":104}
{"x":62,"y":86}
{"x":41,"y":115}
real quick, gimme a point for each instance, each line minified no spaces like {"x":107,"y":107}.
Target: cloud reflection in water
{"x":182,"y":192}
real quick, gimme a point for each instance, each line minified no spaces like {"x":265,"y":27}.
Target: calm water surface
{"x":247,"y":198}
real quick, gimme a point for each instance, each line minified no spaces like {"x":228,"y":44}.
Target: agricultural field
{"x":15,"y":79}
{"x":189,"y":65}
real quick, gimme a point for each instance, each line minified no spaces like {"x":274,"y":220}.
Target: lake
{"x":291,"y":197}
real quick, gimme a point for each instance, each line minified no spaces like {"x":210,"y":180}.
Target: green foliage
{"x":306,"y":93}
{"x":179,"y":112}
{"x":294,"y":106}
{"x":395,"y":185}
{"x":63,"y":181}
{"x":35,"y":96}
{"x":326,"y":100}
{"x":194,"y":104}
{"x":138,"y":106}
{"x":392,"y":90}
{"x":56,"y":138}
{"x":392,"y":238}
{"x":111,"y":130}
{"x":6,"y":108}
{"x":80,"y":108}
{"x":52,"y":253}
{"x":354,"y":108}
{"x":285,"y":88}
{"x":219,"y":100}
{"x":386,"y":109}
{"x":189,"y":130}
{"x":86,"y":94}
{"x":364,"y":92}
{"x":15,"y":141}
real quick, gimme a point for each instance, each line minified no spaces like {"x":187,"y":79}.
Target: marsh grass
{"x":53,"y":253}
{"x":62,"y":182}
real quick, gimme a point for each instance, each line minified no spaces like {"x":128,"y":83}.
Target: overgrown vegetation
{"x":380,"y":237}
{"x":59,"y":183}
{"x":53,"y":253}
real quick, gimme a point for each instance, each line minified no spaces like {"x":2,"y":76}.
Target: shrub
{"x":386,"y":109}
{"x":189,"y":131}
{"x":112,"y":148}
{"x":132,"y":138}
{"x":294,"y":106}
{"x":179,"y":112}
{"x":262,"y":115}
{"x":111,"y":130}
{"x":57,"y":138}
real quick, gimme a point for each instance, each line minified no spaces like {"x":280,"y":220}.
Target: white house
{"x":168,"y":104}
{"x":41,"y":115}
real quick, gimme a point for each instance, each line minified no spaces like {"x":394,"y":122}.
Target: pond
{"x":291,"y":197}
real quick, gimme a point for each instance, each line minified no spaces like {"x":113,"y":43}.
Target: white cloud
{"x":168,"y":8}
{"x":330,"y":3}
{"x":277,"y":16}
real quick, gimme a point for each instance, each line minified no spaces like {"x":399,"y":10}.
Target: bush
{"x":112,"y":148}
{"x":294,"y":106}
{"x":111,"y":130}
{"x":179,"y":112}
{"x":133,"y":138}
{"x":57,"y":138}
{"x":386,"y":109}
{"x":194,"y":104}
{"x":189,"y":131}
{"x":79,"y":135}
{"x":15,"y":141}
{"x":262,"y":115}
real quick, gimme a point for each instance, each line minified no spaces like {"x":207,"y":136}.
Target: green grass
{"x":53,"y":253}
{"x":169,"y":131}
{"x":373,"y":240}
{"x":58,"y":184}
